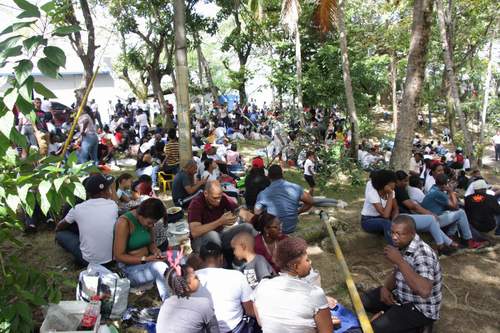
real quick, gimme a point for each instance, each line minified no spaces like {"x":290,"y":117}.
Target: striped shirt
{"x":172,"y":152}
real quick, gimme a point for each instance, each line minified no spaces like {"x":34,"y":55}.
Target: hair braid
{"x":178,"y":284}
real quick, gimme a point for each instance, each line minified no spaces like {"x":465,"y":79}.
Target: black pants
{"x":497,"y":152}
{"x":396,"y":318}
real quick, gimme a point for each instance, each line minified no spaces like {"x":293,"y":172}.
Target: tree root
{"x":452,"y":293}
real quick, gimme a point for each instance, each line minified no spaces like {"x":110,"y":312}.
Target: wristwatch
{"x":143,"y":259}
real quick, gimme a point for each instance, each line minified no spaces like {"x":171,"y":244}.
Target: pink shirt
{"x":232,"y":157}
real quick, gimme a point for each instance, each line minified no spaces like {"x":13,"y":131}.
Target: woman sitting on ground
{"x":380,"y":205}
{"x":134,"y":248}
{"x":211,"y":171}
{"x":184,"y":313}
{"x":266,"y":241}
{"x":287,"y":303}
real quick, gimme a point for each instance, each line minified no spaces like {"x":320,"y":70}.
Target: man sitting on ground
{"x":92,"y":241}
{"x":228,"y":289}
{"x":185,"y":187}
{"x":482,"y":208}
{"x":211,"y":218}
{"x":283,"y":199}
{"x":411,"y":296}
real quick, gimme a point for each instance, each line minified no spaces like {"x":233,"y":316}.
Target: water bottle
{"x":91,"y":313}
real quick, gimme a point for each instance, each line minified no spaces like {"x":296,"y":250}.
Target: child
{"x":124,"y":187}
{"x":256,"y":266}
{"x":309,"y":171}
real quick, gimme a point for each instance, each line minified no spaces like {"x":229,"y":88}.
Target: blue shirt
{"x":436,"y":201}
{"x":282,"y":199}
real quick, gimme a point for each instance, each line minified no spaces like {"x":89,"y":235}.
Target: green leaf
{"x":33,"y":42}
{"x":24,"y":310}
{"x":23,"y":70}
{"x":56,"y":55}
{"x":30,"y":10}
{"x":72,"y":159}
{"x":11,"y":52}
{"x":30,"y":203}
{"x":80,"y":191}
{"x":22,"y":191}
{"x":42,"y":90}
{"x":26,"y":89}
{"x":16,"y":26}
{"x":45,"y":202}
{"x":13,"y":202}
{"x":10,"y":98}
{"x":48,"y":7}
{"x":58,"y":183}
{"x":6,"y":123}
{"x":9,"y":42}
{"x":24,"y":106}
{"x":18,"y":139}
{"x":64,"y":31}
{"x":47,"y":68}
{"x":44,"y":187}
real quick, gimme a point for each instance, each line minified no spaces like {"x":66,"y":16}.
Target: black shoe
{"x":446,"y":250}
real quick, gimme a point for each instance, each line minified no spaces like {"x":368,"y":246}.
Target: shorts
{"x":310,"y":180}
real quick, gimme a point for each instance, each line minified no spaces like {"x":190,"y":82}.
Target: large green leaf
{"x":48,"y":68}
{"x":48,"y":7}
{"x":33,"y":42}
{"x":13,"y":202}
{"x":26,"y":89}
{"x":22,"y":191}
{"x":6,"y":123}
{"x":9,"y":42}
{"x":80,"y":191}
{"x":16,"y":26}
{"x":18,"y":139}
{"x":23,"y":70}
{"x":10,"y":98}
{"x":24,"y":106}
{"x":11,"y":52}
{"x":63,"y":31}
{"x":56,"y":55}
{"x":42,"y":90}
{"x":29,"y":10}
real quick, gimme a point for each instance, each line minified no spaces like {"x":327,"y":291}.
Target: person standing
{"x":309,"y":171}
{"x":89,"y":139}
{"x":496,"y":145}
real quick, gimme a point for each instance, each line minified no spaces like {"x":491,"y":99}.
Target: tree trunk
{"x":157,"y":91}
{"x":448,"y":61}
{"x":182,"y":76}
{"x":208,"y":74}
{"x":351,"y":107}
{"x":393,"y":75}
{"x":415,"y":74}
{"x":242,"y":83}
{"x":298,"y":59}
{"x":487,"y":82}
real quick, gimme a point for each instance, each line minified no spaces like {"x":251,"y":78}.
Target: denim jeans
{"x":145,"y":273}
{"x":70,"y":241}
{"x":88,"y":149}
{"x":429,"y":224}
{"x":377,"y":225}
{"x":151,"y":171}
{"x":458,"y":216}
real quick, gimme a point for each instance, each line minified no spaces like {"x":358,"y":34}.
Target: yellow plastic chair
{"x":165,"y":180}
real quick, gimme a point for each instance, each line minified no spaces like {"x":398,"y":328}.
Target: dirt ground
{"x":471,"y":292}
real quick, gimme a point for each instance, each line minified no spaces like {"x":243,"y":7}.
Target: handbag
{"x":110,"y":287}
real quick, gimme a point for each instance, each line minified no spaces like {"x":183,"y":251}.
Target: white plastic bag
{"x":111,"y":288}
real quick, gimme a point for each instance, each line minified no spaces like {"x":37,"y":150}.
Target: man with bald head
{"x":212,"y":217}
{"x":410,"y":298}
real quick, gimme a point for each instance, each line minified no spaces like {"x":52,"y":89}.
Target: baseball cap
{"x":97,"y":183}
{"x":479,"y":185}
{"x":258,"y":163}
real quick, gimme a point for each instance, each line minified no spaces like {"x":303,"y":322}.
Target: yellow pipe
{"x":353,"y":292}
{"x":79,"y":113}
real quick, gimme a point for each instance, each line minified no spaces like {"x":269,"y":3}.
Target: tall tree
{"x":415,"y":74}
{"x":290,"y":13}
{"x":450,"y":71}
{"x":330,"y":10}
{"x":182,"y":87}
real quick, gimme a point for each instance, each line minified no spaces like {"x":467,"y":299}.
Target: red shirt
{"x":261,"y":248}
{"x":199,"y":211}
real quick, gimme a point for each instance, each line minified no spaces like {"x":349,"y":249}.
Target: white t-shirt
{"x":210,"y":176}
{"x":220,"y":132}
{"x":96,"y":220}
{"x":46,"y":105}
{"x":142,"y":120}
{"x":361,"y":155}
{"x":288,"y":304}
{"x":414,"y":165}
{"x":496,"y":139}
{"x":228,"y":288}
{"x":308,"y":167}
{"x":372,"y":197}
{"x":429,"y":182}
{"x":416,"y":194}
{"x":466,"y":164}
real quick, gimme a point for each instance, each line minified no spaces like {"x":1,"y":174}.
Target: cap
{"x":97,"y":183}
{"x":258,"y":163}
{"x":479,"y":185}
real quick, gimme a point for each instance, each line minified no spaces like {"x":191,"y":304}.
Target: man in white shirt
{"x":416,"y":164}
{"x":496,"y":145}
{"x":142,"y":121}
{"x":229,"y":290}
{"x":95,"y":220}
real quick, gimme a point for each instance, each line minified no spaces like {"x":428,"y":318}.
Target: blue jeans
{"x":70,"y":241}
{"x":145,"y":273}
{"x":377,"y":225}
{"x":429,"y":224}
{"x":88,"y":149}
{"x":460,"y":218}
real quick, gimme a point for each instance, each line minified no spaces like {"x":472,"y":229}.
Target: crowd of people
{"x":248,"y":270}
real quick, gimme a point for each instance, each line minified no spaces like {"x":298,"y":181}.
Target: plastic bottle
{"x":91,"y":313}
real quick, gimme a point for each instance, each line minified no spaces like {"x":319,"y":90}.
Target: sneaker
{"x":446,"y":250}
{"x":472,"y":244}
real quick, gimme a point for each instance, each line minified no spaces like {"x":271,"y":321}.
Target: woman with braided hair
{"x":192,"y":310}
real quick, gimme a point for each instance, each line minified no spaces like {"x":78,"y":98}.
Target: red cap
{"x":258,"y":163}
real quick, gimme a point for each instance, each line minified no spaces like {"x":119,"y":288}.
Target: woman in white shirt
{"x":436,"y":169}
{"x":380,"y":205}
{"x":288,"y":303}
{"x":211,"y":172}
